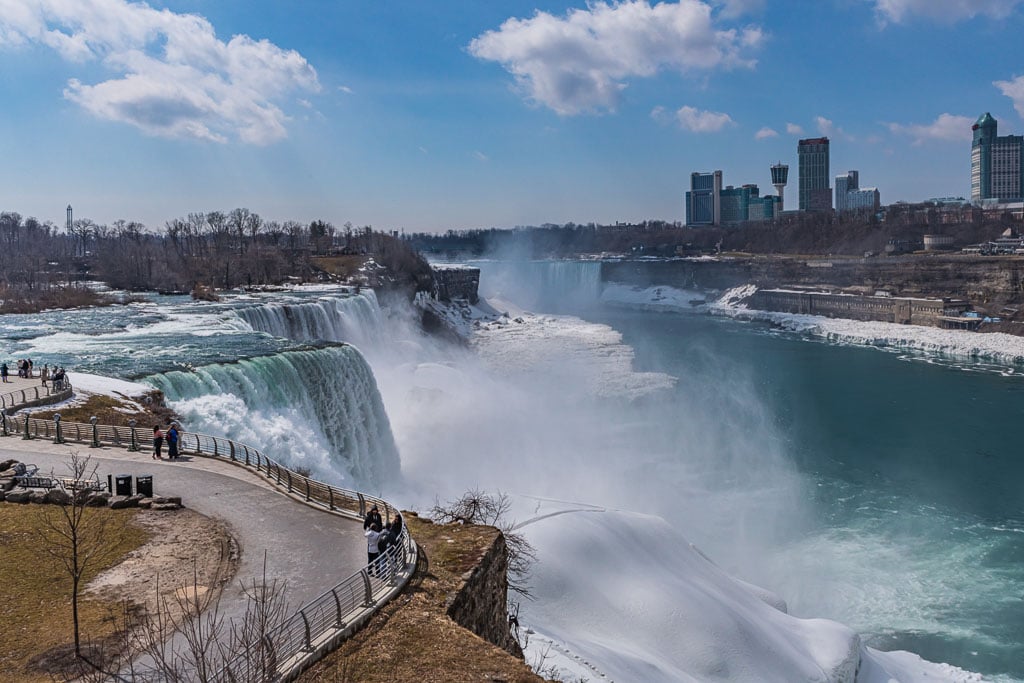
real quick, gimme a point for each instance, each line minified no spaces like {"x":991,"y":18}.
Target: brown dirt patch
{"x":411,"y":639}
{"x":114,"y":411}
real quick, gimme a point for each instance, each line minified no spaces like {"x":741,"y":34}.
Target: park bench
{"x":36,"y":482}
{"x":70,"y":484}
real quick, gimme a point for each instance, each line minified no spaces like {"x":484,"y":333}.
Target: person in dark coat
{"x":172,"y":442}
{"x":373,"y":517}
{"x":395,"y":528}
{"x":3,"y":372}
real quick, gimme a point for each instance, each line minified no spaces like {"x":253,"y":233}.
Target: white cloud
{"x":1014,"y":89}
{"x":829,"y":129}
{"x":174,"y":77}
{"x":702,"y":121}
{"x":345,"y":89}
{"x":738,"y":8}
{"x":581,"y":62}
{"x":794,"y":129}
{"x":766,"y":133}
{"x":945,"y":127}
{"x":943,"y":11}
{"x":480,"y":156}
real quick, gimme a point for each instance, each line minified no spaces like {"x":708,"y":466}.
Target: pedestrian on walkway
{"x":4,"y":372}
{"x":372,"y":537}
{"x":158,"y":442}
{"x":373,"y":517}
{"x":172,"y":442}
{"x":45,"y":374}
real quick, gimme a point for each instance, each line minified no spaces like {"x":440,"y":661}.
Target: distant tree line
{"x":803,"y":233}
{"x":214,"y":250}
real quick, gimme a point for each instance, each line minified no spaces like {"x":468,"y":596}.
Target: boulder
{"x":166,"y":506}
{"x":6,"y":464}
{"x":57,"y":497}
{"x":6,"y":484}
{"x":37,"y":496}
{"x":159,"y":500}
{"x":97,"y":499}
{"x":3,"y":494}
{"x":19,"y":496}
{"x":122,"y":502}
{"x":145,"y":503}
{"x":8,"y":472}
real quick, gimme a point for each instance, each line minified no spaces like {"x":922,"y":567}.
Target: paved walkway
{"x":308,"y":548}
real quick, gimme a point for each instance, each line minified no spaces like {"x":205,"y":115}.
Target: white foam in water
{"x":352,"y":318}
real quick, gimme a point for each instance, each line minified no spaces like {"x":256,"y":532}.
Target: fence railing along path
{"x":320,"y":625}
{"x":35,"y":395}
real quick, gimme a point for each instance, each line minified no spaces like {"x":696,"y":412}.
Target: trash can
{"x":144,"y":485}
{"x":122,"y":485}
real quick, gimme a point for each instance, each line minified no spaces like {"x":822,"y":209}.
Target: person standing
{"x":172,"y":442}
{"x":4,"y":372}
{"x":373,"y":517}
{"x":372,"y":536}
{"x":158,"y":442}
{"x":45,"y":374}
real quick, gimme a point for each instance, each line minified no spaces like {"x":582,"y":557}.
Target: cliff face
{"x":480,"y":603}
{"x":984,"y":281}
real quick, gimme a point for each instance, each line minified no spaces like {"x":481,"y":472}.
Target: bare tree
{"x":77,"y":535}
{"x":477,"y":507}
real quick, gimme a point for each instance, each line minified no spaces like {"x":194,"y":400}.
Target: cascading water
{"x":549,"y":286}
{"x":317,"y":409}
{"x":354,"y":319}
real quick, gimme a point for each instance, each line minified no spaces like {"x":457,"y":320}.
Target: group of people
{"x":380,"y":536}
{"x":172,"y":437}
{"x":25,"y":371}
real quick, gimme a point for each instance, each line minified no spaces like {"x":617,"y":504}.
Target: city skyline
{"x":428,"y":118}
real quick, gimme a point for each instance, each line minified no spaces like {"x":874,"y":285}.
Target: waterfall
{"x":318,"y":410}
{"x":548,"y":286}
{"x":355,"y":319}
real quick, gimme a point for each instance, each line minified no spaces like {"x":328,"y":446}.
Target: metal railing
{"x":317,"y":627}
{"x":21,"y":397}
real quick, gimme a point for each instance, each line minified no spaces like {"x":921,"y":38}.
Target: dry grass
{"x":344,"y":267}
{"x":412,"y":640}
{"x":112,"y":411}
{"x":35,"y":613}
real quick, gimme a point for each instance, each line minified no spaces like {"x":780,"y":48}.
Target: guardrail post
{"x":362,"y":505}
{"x":368,"y":595}
{"x":308,"y":496}
{"x":95,"y":432}
{"x":339,"y":622}
{"x":23,"y":399}
{"x":309,"y":639}
{"x":135,"y":443}
{"x":288,"y":474}
{"x":3,"y":418}
{"x":37,"y":393}
{"x":57,"y":436}
{"x":330,"y":496}
{"x":257,"y":459}
{"x":27,"y":435}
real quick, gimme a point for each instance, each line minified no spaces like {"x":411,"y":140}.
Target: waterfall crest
{"x":314,"y":409}
{"x":355,"y":319}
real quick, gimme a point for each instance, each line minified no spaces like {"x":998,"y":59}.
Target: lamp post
{"x":135,"y":443}
{"x":3,"y":418}
{"x":57,"y":436}
{"x":27,"y":435}
{"x":95,"y":433}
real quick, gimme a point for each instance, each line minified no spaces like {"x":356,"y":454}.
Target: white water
{"x":318,"y":410}
{"x":355,"y":319}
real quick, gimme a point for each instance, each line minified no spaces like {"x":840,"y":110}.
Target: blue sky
{"x":462,"y":114}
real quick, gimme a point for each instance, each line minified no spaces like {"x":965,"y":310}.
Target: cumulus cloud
{"x":944,"y":11}
{"x":766,"y":133}
{"x":1014,"y":89}
{"x":700,"y":121}
{"x":828,"y":128}
{"x":794,"y":129}
{"x":581,"y":62}
{"x":737,"y":8}
{"x":945,"y":127}
{"x":173,"y":76}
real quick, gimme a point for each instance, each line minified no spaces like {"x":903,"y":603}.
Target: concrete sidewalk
{"x":309,"y":549}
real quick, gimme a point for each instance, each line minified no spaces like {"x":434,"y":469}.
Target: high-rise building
{"x":704,"y":200}
{"x":997,"y":163}
{"x":850,"y":196}
{"x":815,"y":194}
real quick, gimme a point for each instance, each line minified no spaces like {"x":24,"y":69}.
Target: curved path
{"x":307,"y":548}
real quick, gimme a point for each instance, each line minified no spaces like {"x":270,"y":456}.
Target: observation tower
{"x":780,"y":175}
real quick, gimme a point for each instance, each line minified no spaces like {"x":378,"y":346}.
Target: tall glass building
{"x":815,"y":193}
{"x":996,"y":163}
{"x":704,"y":200}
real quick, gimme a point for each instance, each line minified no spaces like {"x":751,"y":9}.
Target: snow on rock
{"x":905,"y":667}
{"x":659,"y":299}
{"x":97,"y":384}
{"x":997,"y":347}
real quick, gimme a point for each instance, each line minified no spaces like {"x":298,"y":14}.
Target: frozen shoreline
{"x":995,"y":347}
